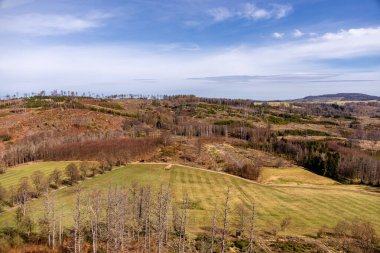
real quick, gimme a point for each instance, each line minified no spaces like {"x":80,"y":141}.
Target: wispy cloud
{"x":51,"y":24}
{"x":297,"y":33}
{"x":278,"y":35}
{"x":277,"y":77}
{"x":251,"y":11}
{"x":220,"y":14}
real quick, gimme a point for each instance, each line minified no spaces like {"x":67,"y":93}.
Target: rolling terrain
{"x":161,"y":167}
{"x":309,"y":204}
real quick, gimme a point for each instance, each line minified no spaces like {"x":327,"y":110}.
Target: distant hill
{"x":338,"y":97}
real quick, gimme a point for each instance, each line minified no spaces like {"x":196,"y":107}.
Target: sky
{"x":252,"y":49}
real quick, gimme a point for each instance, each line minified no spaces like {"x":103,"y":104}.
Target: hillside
{"x":309,"y":168}
{"x":339,"y":97}
{"x":308,"y":206}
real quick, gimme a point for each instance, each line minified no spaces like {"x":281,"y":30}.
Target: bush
{"x":293,"y":246}
{"x":364,"y":232}
{"x":241,"y":244}
{"x":5,"y":137}
{"x":342,"y":228}
{"x":248,"y":170}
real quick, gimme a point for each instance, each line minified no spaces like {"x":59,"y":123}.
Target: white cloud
{"x":281,"y":11}
{"x":251,"y":11}
{"x":220,"y":14}
{"x":297,"y":33}
{"x":278,"y":35}
{"x":121,"y":66}
{"x":50,"y":24}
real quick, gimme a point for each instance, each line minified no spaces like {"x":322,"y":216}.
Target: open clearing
{"x":309,"y":206}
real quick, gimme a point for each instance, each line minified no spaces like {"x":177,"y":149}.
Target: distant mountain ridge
{"x":338,"y":97}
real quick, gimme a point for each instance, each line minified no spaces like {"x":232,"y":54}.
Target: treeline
{"x":139,"y":218}
{"x":131,"y":219}
{"x":332,"y":160}
{"x":326,"y":158}
{"x":68,"y":102}
{"x":112,"y":147}
{"x":114,"y":151}
{"x":194,"y":129}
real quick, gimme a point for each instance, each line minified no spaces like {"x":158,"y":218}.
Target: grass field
{"x":14,"y":174}
{"x":294,"y":175}
{"x":308,"y":206}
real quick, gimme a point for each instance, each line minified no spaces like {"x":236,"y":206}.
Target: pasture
{"x":309,"y":206}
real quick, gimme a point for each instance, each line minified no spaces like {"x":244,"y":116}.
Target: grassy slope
{"x":293,"y":175}
{"x":14,"y":174}
{"x":309,"y":206}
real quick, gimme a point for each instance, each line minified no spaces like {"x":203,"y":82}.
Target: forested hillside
{"x":270,"y":176}
{"x":340,"y":141}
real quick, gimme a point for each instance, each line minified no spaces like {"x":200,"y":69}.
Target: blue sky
{"x":216,"y":48}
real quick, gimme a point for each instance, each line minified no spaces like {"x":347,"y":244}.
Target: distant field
{"x":309,"y":206}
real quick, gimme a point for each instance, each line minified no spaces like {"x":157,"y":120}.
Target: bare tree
{"x":94,"y":208}
{"x":162,"y":217}
{"x":77,"y":221}
{"x":23,"y":193}
{"x":213,"y":229}
{"x":241,"y":222}
{"x":226,"y":212}
{"x":147,"y":222}
{"x":251,"y":228}
{"x":183,"y":223}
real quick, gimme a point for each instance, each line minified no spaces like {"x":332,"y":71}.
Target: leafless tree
{"x":162,"y":216}
{"x":94,"y":205}
{"x":213,"y":229}
{"x":251,"y":228}
{"x":23,"y":193}
{"x":78,"y":221}
{"x":226,"y":212}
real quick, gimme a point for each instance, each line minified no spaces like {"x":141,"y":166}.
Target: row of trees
{"x":38,"y":183}
{"x":332,"y":160}
{"x":52,"y":146}
{"x":133,"y":219}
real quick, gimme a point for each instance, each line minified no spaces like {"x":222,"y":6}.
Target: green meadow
{"x":309,"y":206}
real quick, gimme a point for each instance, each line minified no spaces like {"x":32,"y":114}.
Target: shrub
{"x":241,"y":244}
{"x":293,"y":246}
{"x":5,"y":137}
{"x":364,"y":232}
{"x":247,"y":170}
